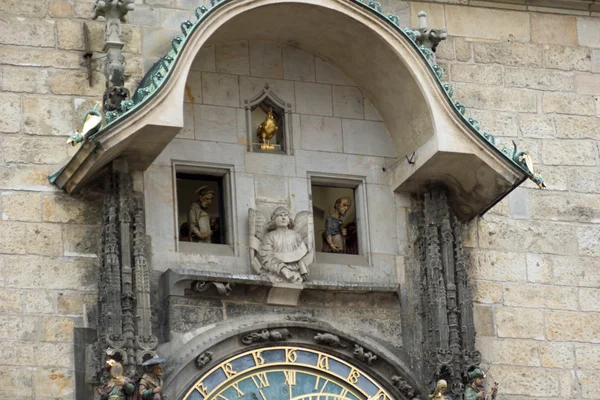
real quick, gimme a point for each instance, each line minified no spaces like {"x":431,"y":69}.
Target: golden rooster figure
{"x":266,"y":131}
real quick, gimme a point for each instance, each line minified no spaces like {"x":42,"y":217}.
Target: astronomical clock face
{"x":286,"y":373}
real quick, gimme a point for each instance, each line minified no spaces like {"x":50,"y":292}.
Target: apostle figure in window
{"x":201,"y":225}
{"x":336,"y":235}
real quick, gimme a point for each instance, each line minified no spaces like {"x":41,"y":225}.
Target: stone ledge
{"x":175,"y":283}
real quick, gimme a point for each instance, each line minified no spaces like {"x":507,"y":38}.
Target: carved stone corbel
{"x":328,"y":339}
{"x":224,"y":289}
{"x":273,"y":335}
{"x":204,"y":359}
{"x":364,"y":356}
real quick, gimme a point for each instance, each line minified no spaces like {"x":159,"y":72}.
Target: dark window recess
{"x":201,"y":216}
{"x":334,"y":210}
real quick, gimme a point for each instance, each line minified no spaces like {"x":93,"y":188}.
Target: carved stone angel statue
{"x":281,"y":249}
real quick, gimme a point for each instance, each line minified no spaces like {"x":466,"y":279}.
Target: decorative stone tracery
{"x":124,"y":322}
{"x":447,"y":308}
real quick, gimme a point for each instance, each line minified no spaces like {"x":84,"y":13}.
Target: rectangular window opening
{"x":204,"y":209}
{"x":338,"y":217}
{"x":200,"y":208}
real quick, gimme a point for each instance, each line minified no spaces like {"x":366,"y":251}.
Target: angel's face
{"x":282,"y":220}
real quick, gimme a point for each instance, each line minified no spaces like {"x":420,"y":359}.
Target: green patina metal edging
{"x":162,"y":70}
{"x":516,"y":157}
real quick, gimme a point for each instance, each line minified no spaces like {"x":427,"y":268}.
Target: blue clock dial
{"x":286,"y":373}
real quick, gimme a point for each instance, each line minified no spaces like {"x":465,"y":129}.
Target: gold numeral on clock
{"x":202,"y":389}
{"x":290,"y":355}
{"x":258,"y":359}
{"x":229,"y":371}
{"x":290,"y":377}
{"x":261,"y":380}
{"x":236,"y":386}
{"x":353,"y":376}
{"x":323,"y":362}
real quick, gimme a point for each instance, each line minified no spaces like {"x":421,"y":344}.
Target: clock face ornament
{"x":286,"y":373}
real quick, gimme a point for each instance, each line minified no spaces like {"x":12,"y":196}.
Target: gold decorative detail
{"x":202,"y":389}
{"x":258,"y":359}
{"x":291,"y":356}
{"x":323,"y":362}
{"x":261,"y":381}
{"x":266,"y":131}
{"x":228,"y":369}
{"x":353,"y":376}
{"x":290,"y":377}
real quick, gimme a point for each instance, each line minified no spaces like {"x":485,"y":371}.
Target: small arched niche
{"x":257,"y":109}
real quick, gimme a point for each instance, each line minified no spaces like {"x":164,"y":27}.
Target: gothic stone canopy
{"x":433,"y":140}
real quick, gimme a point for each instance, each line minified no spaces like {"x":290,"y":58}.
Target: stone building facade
{"x":527,"y":72}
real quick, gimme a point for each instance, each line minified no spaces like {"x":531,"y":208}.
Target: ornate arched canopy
{"x":400,"y":78}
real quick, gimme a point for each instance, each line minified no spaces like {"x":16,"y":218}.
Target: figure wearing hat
{"x":151,"y":382}
{"x":118,"y":387}
{"x":475,"y":389}
{"x":200,"y":224}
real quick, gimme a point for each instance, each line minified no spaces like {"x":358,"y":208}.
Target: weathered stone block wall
{"x":376,"y":315}
{"x":535,"y":78}
{"x":529,"y":76}
{"x":48,"y":240}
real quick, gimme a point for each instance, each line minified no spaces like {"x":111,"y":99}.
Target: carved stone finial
{"x":203,"y":359}
{"x":114,"y":12}
{"x":430,"y":38}
{"x":422,"y":19}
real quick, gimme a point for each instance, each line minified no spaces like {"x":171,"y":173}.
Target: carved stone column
{"x":447,"y":310}
{"x":124,"y":320}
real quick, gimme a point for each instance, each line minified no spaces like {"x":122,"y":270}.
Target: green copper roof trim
{"x":161,"y":71}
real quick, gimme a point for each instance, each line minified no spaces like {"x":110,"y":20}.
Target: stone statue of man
{"x":334,"y":240}
{"x":200,"y":224}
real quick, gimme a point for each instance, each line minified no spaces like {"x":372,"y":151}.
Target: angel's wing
{"x":257,"y":222}
{"x":304,"y":225}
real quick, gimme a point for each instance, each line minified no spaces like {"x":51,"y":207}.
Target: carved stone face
{"x":206,"y":200}
{"x":157,"y":370}
{"x":282,"y":219}
{"x":343,"y":206}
